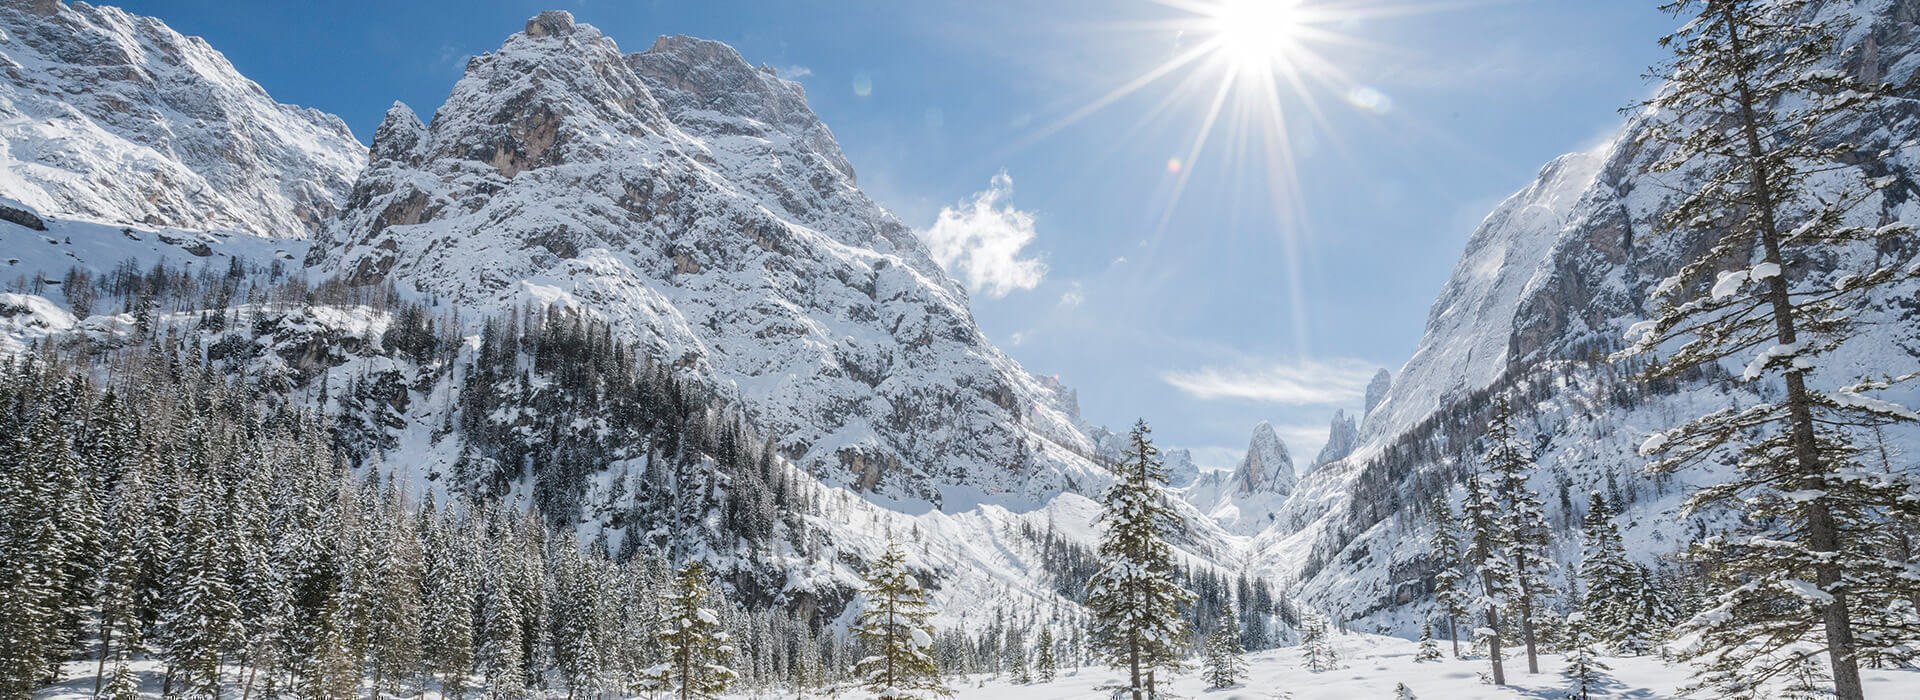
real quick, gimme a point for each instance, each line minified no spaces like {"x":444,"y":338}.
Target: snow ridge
{"x":166,"y":132}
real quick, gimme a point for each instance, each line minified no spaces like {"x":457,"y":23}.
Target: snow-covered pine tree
{"x":1584,"y":669}
{"x":1316,"y":645}
{"x":1748,"y":111}
{"x":449,"y":598}
{"x":577,"y":643}
{"x":123,"y":684}
{"x":394,"y":606}
{"x":334,"y":669}
{"x":1014,"y":652}
{"x":1225,"y":666}
{"x":503,"y":637}
{"x":203,"y":618}
{"x":1429,"y":651}
{"x":1450,"y":568}
{"x":116,"y":592}
{"x":1523,"y":522}
{"x":1136,"y":604}
{"x":1609,"y":590}
{"x":893,"y":625}
{"x":1045,"y":665}
{"x":696,"y":644}
{"x":1402,"y":692}
{"x":1486,"y":554}
{"x":33,"y":583}
{"x":1650,"y":613}
{"x":259,"y":588}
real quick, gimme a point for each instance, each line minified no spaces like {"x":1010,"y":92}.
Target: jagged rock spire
{"x":1267,"y":468}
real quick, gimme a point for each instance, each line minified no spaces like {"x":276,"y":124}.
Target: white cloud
{"x":793,"y":72}
{"x":981,"y":241}
{"x":1072,"y":297}
{"x":1293,"y":383}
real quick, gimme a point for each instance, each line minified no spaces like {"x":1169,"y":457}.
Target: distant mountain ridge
{"x":165,"y":133}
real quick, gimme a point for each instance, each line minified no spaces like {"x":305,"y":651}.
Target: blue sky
{"x":1241,"y":299}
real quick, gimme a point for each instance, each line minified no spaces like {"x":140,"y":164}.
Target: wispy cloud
{"x":793,"y":72}
{"x":981,"y":241}
{"x":1072,"y":297}
{"x":1292,"y":383}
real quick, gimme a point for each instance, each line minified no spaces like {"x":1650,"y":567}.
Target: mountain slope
{"x":695,"y":202}
{"x":1547,"y":288}
{"x":117,"y":118}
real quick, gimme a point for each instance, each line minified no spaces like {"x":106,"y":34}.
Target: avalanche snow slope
{"x":113,"y":117}
{"x":698,"y":204}
{"x":1546,"y":289}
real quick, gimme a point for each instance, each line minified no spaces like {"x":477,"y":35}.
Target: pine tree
{"x":1522,"y":523}
{"x":34,"y":549}
{"x":448,"y":605}
{"x":894,"y":626}
{"x":1485,"y":553}
{"x":1316,"y":646}
{"x":503,"y":638}
{"x":696,"y":644}
{"x":394,"y":606}
{"x":1449,"y":578}
{"x":1402,"y":692}
{"x":1134,"y":599}
{"x":1748,"y":111}
{"x":1015,"y":651}
{"x":1225,"y":666}
{"x":123,"y":686}
{"x":1429,"y":651}
{"x":1584,"y":669}
{"x":1649,"y":611}
{"x":335,"y":667}
{"x":1045,"y":666}
{"x":1609,"y":581}
{"x":204,"y":617}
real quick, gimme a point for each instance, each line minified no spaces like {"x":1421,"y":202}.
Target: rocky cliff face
{"x":697,"y":203}
{"x":1343,"y":434}
{"x":117,"y":118}
{"x":1545,"y":290}
{"x":1266,"y":468}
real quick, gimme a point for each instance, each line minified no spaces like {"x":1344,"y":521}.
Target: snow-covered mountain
{"x":117,"y":118}
{"x":1546,"y":289}
{"x":697,"y":203}
{"x":688,"y":201}
{"x":1242,"y":500}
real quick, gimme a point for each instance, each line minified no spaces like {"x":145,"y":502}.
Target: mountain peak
{"x":1342,"y":436}
{"x":1267,"y":467}
{"x":117,"y":118}
{"x":550,"y":23}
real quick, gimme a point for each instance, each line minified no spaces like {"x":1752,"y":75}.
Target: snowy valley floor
{"x":1370,"y":667}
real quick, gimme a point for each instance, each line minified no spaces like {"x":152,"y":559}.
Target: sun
{"x":1256,"y":75}
{"x":1254,"y":34}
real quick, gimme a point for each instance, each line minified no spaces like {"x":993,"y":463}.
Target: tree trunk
{"x":1493,"y":640}
{"x":106,"y":644}
{"x":1453,"y":631}
{"x":1823,"y":536}
{"x":1133,"y":664}
{"x":1526,"y":627}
